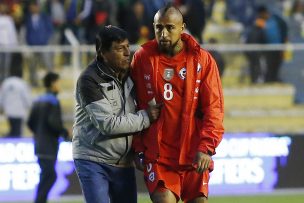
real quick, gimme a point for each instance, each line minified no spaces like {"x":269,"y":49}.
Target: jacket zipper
{"x":121,"y":87}
{"x":122,"y":95}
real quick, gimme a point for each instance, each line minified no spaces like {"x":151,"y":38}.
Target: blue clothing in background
{"x":38,"y":33}
{"x":272,"y":31}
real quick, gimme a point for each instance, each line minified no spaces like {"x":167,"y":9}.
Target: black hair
{"x":107,"y":35}
{"x":168,"y":6}
{"x":49,"y":79}
{"x":262,"y":9}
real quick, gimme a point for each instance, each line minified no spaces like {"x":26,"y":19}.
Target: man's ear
{"x":183,"y":27}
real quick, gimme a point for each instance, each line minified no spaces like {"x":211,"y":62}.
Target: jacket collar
{"x":103,"y":69}
{"x":190,"y":44}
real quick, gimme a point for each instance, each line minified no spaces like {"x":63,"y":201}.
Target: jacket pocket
{"x":114,"y":95}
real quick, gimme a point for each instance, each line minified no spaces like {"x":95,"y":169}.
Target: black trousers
{"x":274,"y":60}
{"x":47,"y":179}
{"x":15,"y":127}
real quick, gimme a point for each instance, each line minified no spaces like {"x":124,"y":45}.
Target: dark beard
{"x":171,"y":50}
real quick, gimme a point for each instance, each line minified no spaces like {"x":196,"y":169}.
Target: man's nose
{"x":127,"y":52}
{"x":164,"y":33}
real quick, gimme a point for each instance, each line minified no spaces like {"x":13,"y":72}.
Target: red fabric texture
{"x":202,"y":95}
{"x":185,"y":184}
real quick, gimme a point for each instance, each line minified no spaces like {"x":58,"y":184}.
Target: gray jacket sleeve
{"x":108,"y":124}
{"x":96,"y":105}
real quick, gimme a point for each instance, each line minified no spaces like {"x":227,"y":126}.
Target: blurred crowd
{"x":43,"y":22}
{"x":84,"y":17}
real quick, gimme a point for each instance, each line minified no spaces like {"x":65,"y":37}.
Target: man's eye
{"x":170,"y":27}
{"x":159,"y":28}
{"x":119,"y":49}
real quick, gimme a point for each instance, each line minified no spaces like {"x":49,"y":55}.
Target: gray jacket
{"x":15,"y":97}
{"x":105,"y":117}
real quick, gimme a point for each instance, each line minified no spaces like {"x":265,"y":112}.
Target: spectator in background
{"x":135,"y":22}
{"x":39,"y":30}
{"x":45,"y":121}
{"x":275,"y":30}
{"x":144,"y":34}
{"x":15,"y":100}
{"x":99,"y":16}
{"x":17,"y":13}
{"x":293,"y":69}
{"x":219,"y":59}
{"x":256,"y":59}
{"x":55,"y":8}
{"x":77,"y":11}
{"x":123,"y":9}
{"x":296,"y":22}
{"x":195,"y":19}
{"x":8,"y":38}
{"x":151,"y":7}
{"x":242,"y":11}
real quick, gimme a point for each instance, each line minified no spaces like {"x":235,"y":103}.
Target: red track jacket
{"x":203,"y":110}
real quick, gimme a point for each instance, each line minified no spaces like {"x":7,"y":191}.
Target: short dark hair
{"x":262,"y":9}
{"x":107,"y":35}
{"x":49,"y":79}
{"x":168,"y":6}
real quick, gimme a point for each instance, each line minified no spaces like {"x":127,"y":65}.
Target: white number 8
{"x":168,"y":94}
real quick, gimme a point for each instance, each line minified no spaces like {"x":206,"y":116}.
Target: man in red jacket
{"x":174,"y":71}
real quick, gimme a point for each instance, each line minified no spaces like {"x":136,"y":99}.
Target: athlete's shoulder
{"x":205,"y":56}
{"x":149,"y":48}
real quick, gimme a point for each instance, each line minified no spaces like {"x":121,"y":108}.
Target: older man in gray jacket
{"x":106,"y":119}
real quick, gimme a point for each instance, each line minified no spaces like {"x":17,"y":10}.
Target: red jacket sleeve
{"x":137,"y":143}
{"x":211,"y":106}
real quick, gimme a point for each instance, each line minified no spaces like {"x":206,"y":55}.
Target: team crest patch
{"x":168,"y":74}
{"x":182,"y":73}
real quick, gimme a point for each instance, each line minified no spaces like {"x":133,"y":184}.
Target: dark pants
{"x":5,"y":65}
{"x":102,"y":183}
{"x":256,"y":67}
{"x":274,"y":60}
{"x":15,"y":127}
{"x":47,"y":179}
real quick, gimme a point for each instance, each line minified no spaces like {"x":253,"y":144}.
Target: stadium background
{"x":251,"y":110}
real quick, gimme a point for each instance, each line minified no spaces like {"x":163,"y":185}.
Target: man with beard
{"x":175,"y":152}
